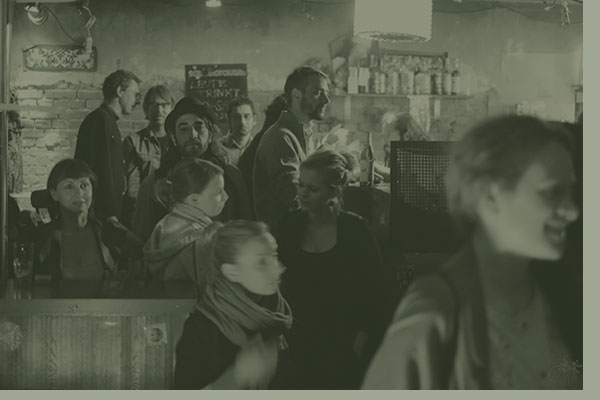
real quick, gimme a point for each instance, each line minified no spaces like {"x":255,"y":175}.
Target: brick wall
{"x":50,"y":135}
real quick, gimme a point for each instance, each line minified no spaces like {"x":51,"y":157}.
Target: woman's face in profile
{"x":313,"y":191}
{"x":531,"y":219}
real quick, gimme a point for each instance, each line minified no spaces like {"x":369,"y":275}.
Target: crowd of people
{"x":292,"y":291}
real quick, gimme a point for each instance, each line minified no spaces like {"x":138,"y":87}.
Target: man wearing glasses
{"x":99,"y":141}
{"x":144,"y":149}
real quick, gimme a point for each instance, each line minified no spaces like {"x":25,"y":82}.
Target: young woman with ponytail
{"x":334,"y":281}
{"x":234,"y":338}
{"x":197,"y":188}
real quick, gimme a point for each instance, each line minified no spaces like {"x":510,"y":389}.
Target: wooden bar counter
{"x":90,"y":343}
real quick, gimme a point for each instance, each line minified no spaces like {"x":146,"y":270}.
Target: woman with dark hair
{"x":335,"y":281}
{"x":246,"y":162}
{"x":78,"y":246}
{"x":489,"y":318}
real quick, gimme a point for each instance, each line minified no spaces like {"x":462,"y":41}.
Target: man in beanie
{"x":193,"y":133}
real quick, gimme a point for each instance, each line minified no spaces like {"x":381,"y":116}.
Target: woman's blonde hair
{"x":192,"y":176}
{"x":335,"y":166}
{"x":226,"y":240}
{"x":497,"y":150}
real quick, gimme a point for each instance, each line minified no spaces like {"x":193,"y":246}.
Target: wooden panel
{"x":89,"y":351}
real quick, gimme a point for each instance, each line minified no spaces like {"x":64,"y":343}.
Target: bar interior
{"x":187,"y":182}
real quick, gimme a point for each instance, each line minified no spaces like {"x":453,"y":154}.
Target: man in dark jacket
{"x":99,"y":141}
{"x":287,"y":143}
{"x":193,"y":132}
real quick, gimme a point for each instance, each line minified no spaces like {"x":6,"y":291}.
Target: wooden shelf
{"x":404,"y":96}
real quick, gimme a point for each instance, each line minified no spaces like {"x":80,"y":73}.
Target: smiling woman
{"x":489,"y":318}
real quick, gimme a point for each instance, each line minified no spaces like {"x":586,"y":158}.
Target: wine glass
{"x":23,"y":253}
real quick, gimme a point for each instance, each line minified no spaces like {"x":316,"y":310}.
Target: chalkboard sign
{"x":216,"y":84}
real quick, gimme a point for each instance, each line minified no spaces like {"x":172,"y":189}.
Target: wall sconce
{"x":213,"y":3}
{"x":37,"y":13}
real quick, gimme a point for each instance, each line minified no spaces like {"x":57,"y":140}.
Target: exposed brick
{"x":59,"y":124}
{"x":74,"y":124}
{"x":75,"y":114}
{"x":77,"y":103}
{"x":42,"y":124}
{"x":89,"y":94}
{"x":29,"y":94}
{"x":60,"y":94}
{"x":31,"y":133}
{"x":62,"y":103}
{"x":137,"y":125}
{"x":92,"y":104}
{"x":28,"y":142}
{"x":28,"y":102}
{"x":45,"y":102}
{"x":27,"y":123}
{"x":42,"y":114}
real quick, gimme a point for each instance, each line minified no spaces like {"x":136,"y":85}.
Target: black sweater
{"x":333,"y":295}
{"x":203,"y":354}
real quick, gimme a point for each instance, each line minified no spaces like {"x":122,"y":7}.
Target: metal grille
{"x":419,"y":220}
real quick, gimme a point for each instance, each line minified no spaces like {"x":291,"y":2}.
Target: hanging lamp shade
{"x":393,"y":20}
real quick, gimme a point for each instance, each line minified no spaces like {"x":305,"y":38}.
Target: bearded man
{"x":287,"y":143}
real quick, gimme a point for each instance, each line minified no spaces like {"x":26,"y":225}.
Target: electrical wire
{"x":60,"y":25}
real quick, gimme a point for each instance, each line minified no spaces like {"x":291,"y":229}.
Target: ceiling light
{"x":393,"y":20}
{"x":213,"y":3}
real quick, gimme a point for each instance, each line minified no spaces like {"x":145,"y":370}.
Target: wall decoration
{"x":217,"y":84}
{"x":60,"y":58}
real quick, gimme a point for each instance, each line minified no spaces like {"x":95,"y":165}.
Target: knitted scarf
{"x":239,"y":317}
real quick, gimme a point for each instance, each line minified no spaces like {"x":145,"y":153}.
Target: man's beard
{"x":194,"y":148}
{"x":313,"y":112}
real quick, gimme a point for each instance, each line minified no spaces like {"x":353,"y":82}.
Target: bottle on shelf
{"x":436,"y":82}
{"x":422,"y":82}
{"x":447,"y":78}
{"x":367,"y":160}
{"x":456,"y":84}
{"x":352,"y":80}
{"x":363,"y":77}
{"x":407,"y":82}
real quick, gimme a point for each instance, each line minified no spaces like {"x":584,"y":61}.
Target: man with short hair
{"x":241,"y":114}
{"x":143,"y":149}
{"x":287,"y":143}
{"x":99,"y":141}
{"x":193,"y":133}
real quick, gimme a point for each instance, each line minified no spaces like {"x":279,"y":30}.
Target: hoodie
{"x":173,"y":252}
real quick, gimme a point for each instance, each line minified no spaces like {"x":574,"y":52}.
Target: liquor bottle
{"x":352,"y":80}
{"x":367,"y":159}
{"x":447,"y":78}
{"x":456,"y":90}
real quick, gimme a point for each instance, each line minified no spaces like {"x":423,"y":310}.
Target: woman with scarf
{"x":173,"y":253}
{"x":234,"y":339}
{"x":490,"y":318}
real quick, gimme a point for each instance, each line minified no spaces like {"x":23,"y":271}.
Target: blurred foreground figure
{"x":489,"y":318}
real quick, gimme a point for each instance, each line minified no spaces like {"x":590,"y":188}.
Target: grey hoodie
{"x":169,"y":253}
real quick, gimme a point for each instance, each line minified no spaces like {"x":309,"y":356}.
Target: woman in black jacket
{"x":334,"y":280}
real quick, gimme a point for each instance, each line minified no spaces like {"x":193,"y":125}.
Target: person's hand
{"x":256,"y":363}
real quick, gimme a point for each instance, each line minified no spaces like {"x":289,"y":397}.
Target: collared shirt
{"x":233,"y":148}
{"x":308,"y":138}
{"x":143,"y":151}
